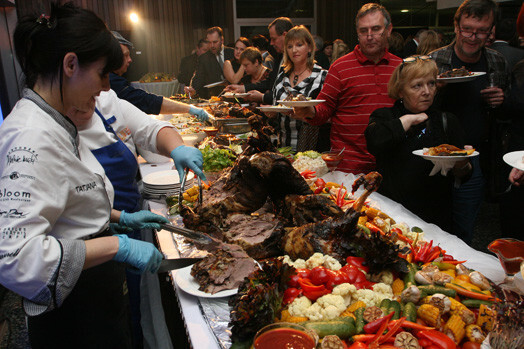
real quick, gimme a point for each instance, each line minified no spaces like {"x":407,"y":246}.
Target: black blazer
{"x":410,"y":49}
{"x":188,"y":65}
{"x":209,"y":71}
{"x":512,"y":54}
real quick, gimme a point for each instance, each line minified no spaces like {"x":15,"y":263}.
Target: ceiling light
{"x":404,"y":11}
{"x":133,"y":17}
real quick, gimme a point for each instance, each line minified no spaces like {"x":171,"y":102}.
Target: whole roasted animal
{"x":332,"y":236}
{"x":245,"y":188}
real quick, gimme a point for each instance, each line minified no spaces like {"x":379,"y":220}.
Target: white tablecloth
{"x":166,"y":89}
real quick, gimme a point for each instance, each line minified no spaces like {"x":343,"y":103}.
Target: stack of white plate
{"x":165,"y":183}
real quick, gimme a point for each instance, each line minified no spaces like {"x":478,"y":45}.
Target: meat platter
{"x":333,"y":261}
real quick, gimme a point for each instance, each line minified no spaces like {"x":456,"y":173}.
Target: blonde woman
{"x":429,"y":42}
{"x":300,"y":75}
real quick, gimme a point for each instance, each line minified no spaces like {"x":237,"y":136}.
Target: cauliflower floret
{"x":382,"y":291}
{"x":314,"y":312}
{"x":331,"y":263}
{"x":404,"y":228}
{"x":330,"y":307}
{"x":298,"y":264}
{"x":413,"y":235}
{"x":345,"y":291}
{"x":299,"y":307}
{"x":367,"y":296}
{"x":316,"y":260}
{"x":387,"y":277}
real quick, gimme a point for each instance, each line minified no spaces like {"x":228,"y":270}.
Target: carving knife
{"x":176,"y":263}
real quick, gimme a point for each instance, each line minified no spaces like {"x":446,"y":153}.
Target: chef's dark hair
{"x":476,"y":9}
{"x":41,"y":42}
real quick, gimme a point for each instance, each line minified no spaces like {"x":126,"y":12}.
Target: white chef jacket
{"x":131,"y":125}
{"x":53,"y":194}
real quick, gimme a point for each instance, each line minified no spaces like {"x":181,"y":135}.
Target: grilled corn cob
{"x":475,"y":334}
{"x":430,"y":314}
{"x":485,"y":318}
{"x":455,"y":327}
{"x":355,"y":306}
{"x":397,"y":286}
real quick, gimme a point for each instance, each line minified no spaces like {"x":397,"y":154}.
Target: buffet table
{"x":203,"y":318}
{"x":163,"y":88}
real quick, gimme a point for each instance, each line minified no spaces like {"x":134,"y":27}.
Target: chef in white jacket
{"x":55,"y":200}
{"x":113,"y":134}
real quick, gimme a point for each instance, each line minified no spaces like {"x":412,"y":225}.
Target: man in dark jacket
{"x":504,"y":32}
{"x":188,"y":64}
{"x":211,"y":63}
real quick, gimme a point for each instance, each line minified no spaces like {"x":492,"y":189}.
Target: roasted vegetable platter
{"x":440,"y":301}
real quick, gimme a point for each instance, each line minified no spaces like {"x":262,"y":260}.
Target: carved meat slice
{"x":303,"y":209}
{"x":224,"y":269}
{"x":260,"y":235}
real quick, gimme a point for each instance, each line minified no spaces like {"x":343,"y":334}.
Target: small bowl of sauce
{"x":332,"y":159}
{"x":210,"y":131}
{"x":284,"y":335}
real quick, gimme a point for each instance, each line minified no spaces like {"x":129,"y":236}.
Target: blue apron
{"x":121,"y":168}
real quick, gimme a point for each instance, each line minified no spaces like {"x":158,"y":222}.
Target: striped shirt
{"x":294,"y":133}
{"x":355,"y":87}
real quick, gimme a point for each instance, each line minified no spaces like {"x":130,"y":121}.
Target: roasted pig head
{"x":332,"y":236}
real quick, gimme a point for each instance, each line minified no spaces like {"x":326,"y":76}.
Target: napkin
{"x":442,"y":165}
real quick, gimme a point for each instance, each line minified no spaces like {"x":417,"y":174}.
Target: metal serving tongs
{"x":193,"y":235}
{"x":183,"y":188}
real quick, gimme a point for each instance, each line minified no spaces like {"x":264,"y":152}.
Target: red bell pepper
{"x":358,"y":262}
{"x":438,"y":339}
{"x":410,"y":325}
{"x":374,"y":342}
{"x":368,"y":337}
{"x":376,"y":325}
{"x":358,"y":345}
{"x":393,"y":331}
{"x":308,"y":174}
{"x":340,"y":196}
{"x":311,"y":291}
{"x":320,"y":184}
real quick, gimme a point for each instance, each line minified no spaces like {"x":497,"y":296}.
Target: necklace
{"x":295,"y":79}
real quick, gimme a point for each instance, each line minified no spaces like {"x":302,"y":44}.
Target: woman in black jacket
{"x":413,"y":123}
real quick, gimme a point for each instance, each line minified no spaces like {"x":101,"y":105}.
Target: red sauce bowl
{"x":210,"y":131}
{"x":284,"y":335}
{"x":332,"y":159}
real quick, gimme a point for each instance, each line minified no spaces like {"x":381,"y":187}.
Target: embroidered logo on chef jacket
{"x":86,"y":187}
{"x":9,"y":254}
{"x":22,"y":155}
{"x":16,"y":175}
{"x":17,"y":195}
{"x":13,"y":233}
{"x":12,"y":213}
{"x":124,"y":134}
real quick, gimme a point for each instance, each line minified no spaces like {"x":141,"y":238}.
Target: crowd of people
{"x":70,"y":192}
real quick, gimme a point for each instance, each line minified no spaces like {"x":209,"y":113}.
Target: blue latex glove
{"x":143,"y":256}
{"x":199,"y":113}
{"x":141,"y":220}
{"x":185,"y":157}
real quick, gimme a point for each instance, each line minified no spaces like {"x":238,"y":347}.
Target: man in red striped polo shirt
{"x":355,"y":86}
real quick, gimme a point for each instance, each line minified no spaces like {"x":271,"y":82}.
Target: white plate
{"x":164,"y":178}
{"x":274,"y":109}
{"x":420,"y":152}
{"x":188,"y":284}
{"x":218,"y":83}
{"x":514,"y":159}
{"x":235,"y":95}
{"x":462,"y":78}
{"x":310,"y":103}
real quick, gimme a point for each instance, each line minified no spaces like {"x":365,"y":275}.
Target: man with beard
{"x":474,"y":100}
{"x":355,"y":86}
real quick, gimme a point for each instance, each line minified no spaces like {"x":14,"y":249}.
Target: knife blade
{"x":176,"y":263}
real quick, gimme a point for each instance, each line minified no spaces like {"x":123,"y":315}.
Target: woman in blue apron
{"x":57,"y":251}
{"x":112,"y":135}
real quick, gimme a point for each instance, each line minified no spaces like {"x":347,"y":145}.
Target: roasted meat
{"x":224,"y":269}
{"x":302,"y":209}
{"x":448,"y":150}
{"x":259,"y":235}
{"x":332,"y":236}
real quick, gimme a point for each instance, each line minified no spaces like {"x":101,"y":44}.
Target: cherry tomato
{"x":320,"y":183}
{"x":319,"y":276}
{"x":448,"y":257}
{"x":303,"y":273}
{"x":290,"y":294}
{"x":336,"y":279}
{"x":344,"y":276}
{"x":353,"y":273}
{"x":293,"y":281}
{"x":471,"y":345}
